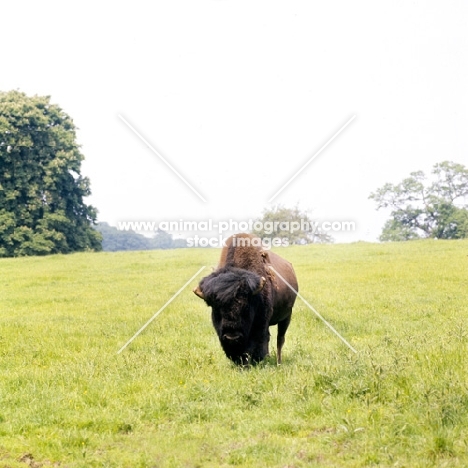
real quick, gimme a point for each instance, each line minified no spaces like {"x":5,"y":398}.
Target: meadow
{"x":172,"y":399}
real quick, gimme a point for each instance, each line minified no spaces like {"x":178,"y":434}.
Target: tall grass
{"x":172,"y":399}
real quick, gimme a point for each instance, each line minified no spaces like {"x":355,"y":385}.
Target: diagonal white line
{"x":138,"y":134}
{"x":316,"y":313}
{"x":161,"y":309}
{"x":312,"y":158}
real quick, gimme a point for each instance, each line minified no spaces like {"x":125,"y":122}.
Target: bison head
{"x":233,"y":295}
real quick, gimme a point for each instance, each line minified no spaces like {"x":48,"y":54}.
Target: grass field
{"x":172,"y":399}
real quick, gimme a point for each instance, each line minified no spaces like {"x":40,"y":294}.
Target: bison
{"x":247,"y":297}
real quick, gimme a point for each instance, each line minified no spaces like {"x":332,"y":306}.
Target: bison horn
{"x":199,"y":292}
{"x":260,"y":286}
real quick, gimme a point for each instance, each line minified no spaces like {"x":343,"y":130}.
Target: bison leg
{"x":258,"y":345}
{"x":260,"y":351}
{"x":282,"y":327}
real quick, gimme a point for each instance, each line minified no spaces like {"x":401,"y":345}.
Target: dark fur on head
{"x":225,"y":284}
{"x":234,"y":296}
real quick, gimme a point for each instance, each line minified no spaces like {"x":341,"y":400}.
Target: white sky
{"x":238,"y":95}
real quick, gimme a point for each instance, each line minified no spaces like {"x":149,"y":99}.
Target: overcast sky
{"x":238,"y":95}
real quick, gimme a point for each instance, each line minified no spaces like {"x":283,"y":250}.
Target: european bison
{"x":246,"y":297}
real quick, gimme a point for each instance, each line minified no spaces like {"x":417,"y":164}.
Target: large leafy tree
{"x":42,"y":209}
{"x":426,"y":208}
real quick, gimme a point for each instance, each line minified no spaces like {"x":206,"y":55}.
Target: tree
{"x":161,"y":240}
{"x":426,"y":209}
{"x":114,"y":240}
{"x":41,"y":189}
{"x":290,"y":224}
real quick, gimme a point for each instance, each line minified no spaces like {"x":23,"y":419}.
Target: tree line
{"x":114,"y":240}
{"x":43,"y":209}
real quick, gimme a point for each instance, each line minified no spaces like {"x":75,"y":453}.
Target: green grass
{"x":172,"y":399}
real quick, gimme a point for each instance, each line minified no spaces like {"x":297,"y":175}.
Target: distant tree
{"x":426,"y":209}
{"x":114,"y":240}
{"x":41,"y":189}
{"x":161,"y":240}
{"x":179,"y":243}
{"x":280,"y":222}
